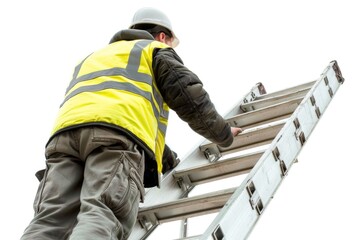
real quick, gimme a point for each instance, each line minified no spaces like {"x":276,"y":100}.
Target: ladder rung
{"x":269,"y":100}
{"x":218,"y":170}
{"x":301,"y":87}
{"x":245,"y":140}
{"x":265,"y":115}
{"x":186,"y":207}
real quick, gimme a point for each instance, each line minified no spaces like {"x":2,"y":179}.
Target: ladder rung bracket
{"x":326,"y":81}
{"x":337,"y":72}
{"x":316,"y":108}
{"x":186,"y":207}
{"x":218,"y":234}
{"x":333,"y":72}
{"x":185,"y":183}
{"x":169,"y":187}
{"x":322,"y":97}
{"x":212,"y":154}
{"x":219,"y":170}
{"x":255,"y":200}
{"x":254,"y":93}
{"x":283,"y":167}
{"x":299,"y":133}
{"x":288,"y":144}
{"x":149,"y":222}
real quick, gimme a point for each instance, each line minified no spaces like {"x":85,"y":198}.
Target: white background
{"x":230,"y":45}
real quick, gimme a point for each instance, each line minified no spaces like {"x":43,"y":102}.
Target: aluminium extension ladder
{"x":280,"y":122}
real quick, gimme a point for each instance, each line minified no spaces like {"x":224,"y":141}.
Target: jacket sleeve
{"x":183,"y":91}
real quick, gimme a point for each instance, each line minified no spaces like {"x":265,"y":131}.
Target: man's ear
{"x":162,"y":37}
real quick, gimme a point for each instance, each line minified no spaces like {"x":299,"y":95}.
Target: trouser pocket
{"x":41,"y":175}
{"x":123,"y":193}
{"x":134,"y":175}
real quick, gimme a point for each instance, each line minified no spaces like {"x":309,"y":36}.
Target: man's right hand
{"x":235,"y":131}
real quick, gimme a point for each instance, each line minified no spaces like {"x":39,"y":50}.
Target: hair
{"x":153,"y":29}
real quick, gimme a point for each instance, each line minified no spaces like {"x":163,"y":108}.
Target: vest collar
{"x":131,"y":34}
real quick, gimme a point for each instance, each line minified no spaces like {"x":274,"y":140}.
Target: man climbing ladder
{"x":109,"y":136}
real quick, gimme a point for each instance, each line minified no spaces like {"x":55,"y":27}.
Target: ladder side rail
{"x":240,"y":214}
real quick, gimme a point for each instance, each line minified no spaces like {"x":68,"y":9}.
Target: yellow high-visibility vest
{"x":116,"y":86}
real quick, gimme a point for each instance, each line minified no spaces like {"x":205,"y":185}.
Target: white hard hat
{"x":149,"y":15}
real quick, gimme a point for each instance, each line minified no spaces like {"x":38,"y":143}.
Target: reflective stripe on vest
{"x":129,"y":72}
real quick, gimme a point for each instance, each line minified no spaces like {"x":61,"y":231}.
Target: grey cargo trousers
{"x":91,"y":188}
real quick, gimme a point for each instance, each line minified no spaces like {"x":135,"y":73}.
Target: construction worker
{"x":108,"y":139}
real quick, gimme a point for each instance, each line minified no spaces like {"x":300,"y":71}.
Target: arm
{"x":183,"y":91}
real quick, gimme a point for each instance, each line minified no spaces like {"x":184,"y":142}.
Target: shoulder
{"x":166,"y":54}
